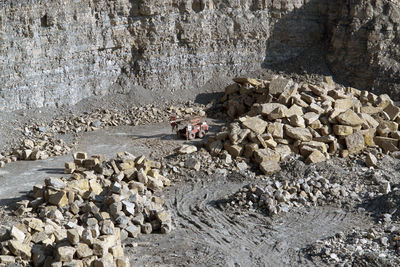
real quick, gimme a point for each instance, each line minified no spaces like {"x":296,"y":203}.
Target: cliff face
{"x":365,"y":45}
{"x":54,"y":53}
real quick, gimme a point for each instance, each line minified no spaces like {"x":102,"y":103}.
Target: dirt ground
{"x":204,"y":233}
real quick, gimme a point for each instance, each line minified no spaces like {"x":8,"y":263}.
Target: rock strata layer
{"x":55,"y":53}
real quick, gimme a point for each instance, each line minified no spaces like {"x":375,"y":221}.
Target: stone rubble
{"x":378,"y":245}
{"x":82,"y":220}
{"x":41,"y":140}
{"x":277,"y":197}
{"x":275,"y":118}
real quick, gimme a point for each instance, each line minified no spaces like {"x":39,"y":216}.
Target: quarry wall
{"x":55,"y":53}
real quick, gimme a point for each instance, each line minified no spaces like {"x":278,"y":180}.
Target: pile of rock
{"x":101,"y":118}
{"x":379,"y":245}
{"x":186,"y":160}
{"x":41,"y":141}
{"x":278,"y":117}
{"x":278,"y":197}
{"x":81,"y":220}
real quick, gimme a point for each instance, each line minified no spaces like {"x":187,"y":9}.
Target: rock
{"x":19,"y":249}
{"x":342,"y":130}
{"x":386,"y":143}
{"x":83,"y":251}
{"x":122,"y":262}
{"x":243,"y":80}
{"x":107,"y":228}
{"x":297,"y":121}
{"x":275,"y":129}
{"x":215,"y":147}
{"x":129,"y":208}
{"x":187,"y":149}
{"x":278,"y":113}
{"x":266,"y":109}
{"x":269,"y":167}
{"x":58,"y":198}
{"x":155,"y":184}
{"x":349,"y":118}
{"x":279,"y":85}
{"x":95,"y":187}
{"x":234,"y":150}
{"x":344,"y":104}
{"x":255,"y":124}
{"x":371,"y":160}
{"x":315,"y":108}
{"x":242,"y":166}
{"x":96,"y":123}
{"x":29,"y":144}
{"x":26,"y":154}
{"x":315,"y":157}
{"x":385,"y":188}
{"x":237,"y":134}
{"x":355,"y":142}
{"x":133,"y":230}
{"x":369,"y":135}
{"x":296,"y":109}
{"x":7,"y":260}
{"x":266,"y":154}
{"x":371,"y":110}
{"x":319,"y":91}
{"x":370,"y":121}
{"x":249,"y":150}
{"x":17,"y":234}
{"x":80,"y":155}
{"x":299,"y":133}
{"x":55,"y":182}
{"x":142,"y":176}
{"x":192,"y":163}
{"x":146,"y":228}
{"x":392,"y":111}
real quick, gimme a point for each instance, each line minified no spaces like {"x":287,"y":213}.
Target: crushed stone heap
{"x":275,"y":118}
{"x":81,"y":220}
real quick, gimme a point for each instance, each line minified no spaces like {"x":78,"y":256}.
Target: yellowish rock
{"x":294,"y":110}
{"x":297,"y":121}
{"x":350,"y":118}
{"x":275,"y":129}
{"x":255,"y":124}
{"x":269,"y":167}
{"x":369,"y":121}
{"x":298,"y":133}
{"x":393,"y":111}
{"x":344,"y":104}
{"x":244,"y":80}
{"x":266,"y":154}
{"x":315,"y":157}
{"x":342,"y":130}
{"x":371,"y":109}
{"x":369,"y":135}
{"x":371,"y":160}
{"x":249,"y":150}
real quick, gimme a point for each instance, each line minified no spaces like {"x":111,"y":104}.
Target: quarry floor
{"x":203,"y":235}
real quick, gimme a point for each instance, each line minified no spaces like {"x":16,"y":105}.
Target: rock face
{"x":54,"y":53}
{"x":364,"y":46}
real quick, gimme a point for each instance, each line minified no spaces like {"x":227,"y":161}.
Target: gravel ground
{"x":358,"y":227}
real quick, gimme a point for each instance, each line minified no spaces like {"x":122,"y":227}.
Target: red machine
{"x":192,"y":128}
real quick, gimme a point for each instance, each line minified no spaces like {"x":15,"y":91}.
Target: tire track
{"x":208,"y":236}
